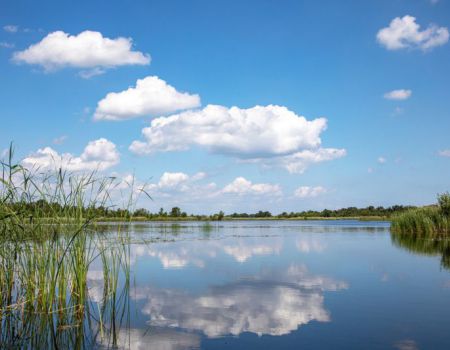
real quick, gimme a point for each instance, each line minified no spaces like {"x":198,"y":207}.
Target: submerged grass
{"x":47,"y":253}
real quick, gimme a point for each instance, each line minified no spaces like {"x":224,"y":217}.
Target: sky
{"x":234,"y":105}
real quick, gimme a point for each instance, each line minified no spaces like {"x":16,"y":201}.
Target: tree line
{"x":44,"y":208}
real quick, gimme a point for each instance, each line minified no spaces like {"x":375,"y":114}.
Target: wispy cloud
{"x":444,"y":153}
{"x":10,"y":28}
{"x":401,"y":94}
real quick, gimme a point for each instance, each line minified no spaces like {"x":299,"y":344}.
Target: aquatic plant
{"x":47,"y":251}
{"x":426,"y":221}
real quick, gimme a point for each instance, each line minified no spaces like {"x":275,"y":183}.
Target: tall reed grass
{"x":48,"y":246}
{"x":427,"y":221}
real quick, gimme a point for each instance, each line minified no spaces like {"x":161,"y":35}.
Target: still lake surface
{"x":280,"y":285}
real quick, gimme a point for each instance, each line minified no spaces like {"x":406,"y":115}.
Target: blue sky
{"x":376,"y":70}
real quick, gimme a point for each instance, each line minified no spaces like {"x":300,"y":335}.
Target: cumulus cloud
{"x":405,"y":33}
{"x":445,"y":153}
{"x":242,"y":186}
{"x":151,"y":96}
{"x":401,"y":94}
{"x":87,"y":50}
{"x":381,"y":160}
{"x":174,"y":181}
{"x":309,"y":192}
{"x":100,"y":154}
{"x":270,"y":130}
{"x":171,"y":180}
{"x":11,"y":28}
{"x":298,"y":162}
{"x":265,"y":134}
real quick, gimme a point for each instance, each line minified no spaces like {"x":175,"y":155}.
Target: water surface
{"x":280,"y":285}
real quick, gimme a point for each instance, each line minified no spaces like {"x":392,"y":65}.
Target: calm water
{"x":280,"y":285}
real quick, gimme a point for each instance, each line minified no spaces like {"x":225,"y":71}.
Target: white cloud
{"x":173,"y":183}
{"x":401,"y":94}
{"x":151,"y":96}
{"x":298,"y":162}
{"x":445,"y":153}
{"x":100,"y":154}
{"x":242,"y":186}
{"x":11,"y":28}
{"x":381,"y":160}
{"x":370,"y":170}
{"x":258,"y":131}
{"x":405,"y":33}
{"x":88,"y":50}
{"x":270,"y":135}
{"x":171,"y":180}
{"x":309,"y":192}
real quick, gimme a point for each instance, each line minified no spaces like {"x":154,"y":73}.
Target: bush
{"x":444,"y":203}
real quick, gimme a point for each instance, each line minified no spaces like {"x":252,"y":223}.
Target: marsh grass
{"x":48,"y":247}
{"x":425,"y":230}
{"x":427,"y":221}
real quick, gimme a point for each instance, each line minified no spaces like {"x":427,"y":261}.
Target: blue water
{"x":282,"y":285}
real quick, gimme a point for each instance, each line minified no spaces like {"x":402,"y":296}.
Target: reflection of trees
{"x":275,"y":303}
{"x":427,"y":245}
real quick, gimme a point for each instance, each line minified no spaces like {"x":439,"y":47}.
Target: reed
{"x":48,"y":247}
{"x":427,"y":221}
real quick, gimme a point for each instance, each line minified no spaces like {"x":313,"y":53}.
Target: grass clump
{"x":426,"y":221}
{"x":49,"y":247}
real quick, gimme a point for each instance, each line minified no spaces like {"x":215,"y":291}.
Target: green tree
{"x":175,"y":212}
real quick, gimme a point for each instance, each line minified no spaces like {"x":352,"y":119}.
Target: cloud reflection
{"x":179,"y":255}
{"x":275,"y":303}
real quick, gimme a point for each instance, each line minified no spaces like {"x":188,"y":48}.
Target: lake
{"x":259,"y":285}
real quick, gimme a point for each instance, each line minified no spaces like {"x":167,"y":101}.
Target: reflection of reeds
{"x":427,"y":245}
{"x":47,"y":248}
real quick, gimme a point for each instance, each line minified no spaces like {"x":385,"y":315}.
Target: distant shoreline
{"x":180,"y":219}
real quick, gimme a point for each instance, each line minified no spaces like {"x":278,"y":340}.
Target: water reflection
{"x":427,"y":245}
{"x":274,"y":303}
{"x":155,"y":339}
{"x":187,"y":287}
{"x":176,"y":255}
